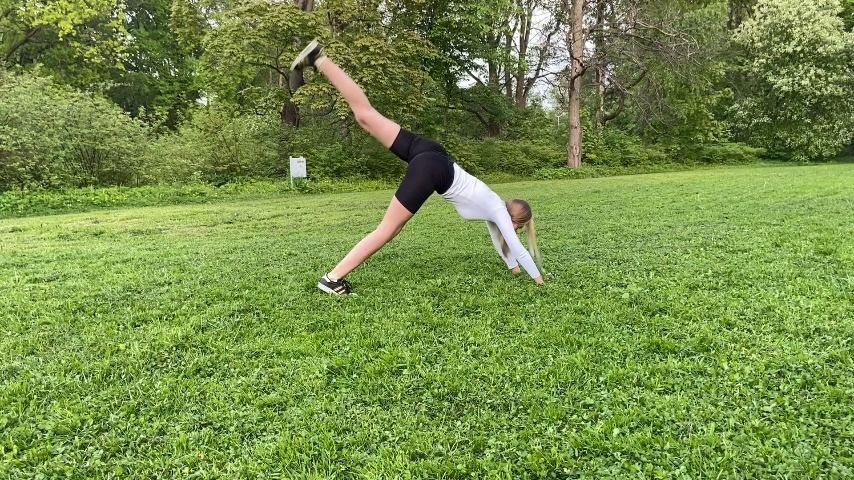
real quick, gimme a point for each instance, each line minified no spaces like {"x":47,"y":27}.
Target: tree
{"x":247,"y":55}
{"x":632,"y":52}
{"x":575,"y":42}
{"x":78,"y":41}
{"x":739,"y":11}
{"x":156,"y":77}
{"x":488,"y":55}
{"x":660,"y":64}
{"x":531,"y":61}
{"x":794,"y":83}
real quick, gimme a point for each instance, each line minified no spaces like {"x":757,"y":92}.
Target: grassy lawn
{"x":693,"y":324}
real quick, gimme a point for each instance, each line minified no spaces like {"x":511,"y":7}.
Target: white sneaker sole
{"x":304,"y":53}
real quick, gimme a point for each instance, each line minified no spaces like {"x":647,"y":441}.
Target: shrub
{"x":331,"y":153}
{"x":53,"y":136}
{"x":518,"y":157}
{"x":612,"y":147}
{"x":217,"y":146}
{"x":720,"y":153}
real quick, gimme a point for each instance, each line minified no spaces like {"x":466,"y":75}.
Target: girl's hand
{"x":516,"y":270}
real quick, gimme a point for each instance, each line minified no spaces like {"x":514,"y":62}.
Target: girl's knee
{"x":389,"y":231}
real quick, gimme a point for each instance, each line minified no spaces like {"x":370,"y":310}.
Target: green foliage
{"x":692,"y":325}
{"x":725,"y":153}
{"x":848,"y":14}
{"x":678,"y":103}
{"x":52,"y":136}
{"x":18,"y":203}
{"x":388,"y":70}
{"x":353,"y":155}
{"x":189,"y":26}
{"x":787,"y":87}
{"x":156,"y":80}
{"x":247,"y":57}
{"x":796,"y":87}
{"x":534,"y":123}
{"x":517,"y":157}
{"x":217,"y":146}
{"x":597,"y":171}
{"x":79,"y":42}
{"x":614,"y":147}
{"x":635,"y":158}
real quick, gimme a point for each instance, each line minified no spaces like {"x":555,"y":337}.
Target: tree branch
{"x":464,"y":109}
{"x":610,"y":116}
{"x":324,"y":112}
{"x":620,"y":87}
{"x":473,"y":76}
{"x":529,"y":83}
{"x":20,"y":43}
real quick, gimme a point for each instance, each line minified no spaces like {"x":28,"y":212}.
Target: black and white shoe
{"x":308,"y":56}
{"x":339,"y":287}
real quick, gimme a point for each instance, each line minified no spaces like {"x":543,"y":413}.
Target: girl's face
{"x":520,"y":213}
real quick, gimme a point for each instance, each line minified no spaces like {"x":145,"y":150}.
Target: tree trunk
{"x":508,"y":76}
{"x":739,"y":10}
{"x":601,"y":63}
{"x":289,"y":113}
{"x":305,"y":5}
{"x":492,"y":81}
{"x":575,"y":41}
{"x":493,"y":127}
{"x":526,"y":15}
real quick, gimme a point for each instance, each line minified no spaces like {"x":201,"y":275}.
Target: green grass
{"x":693,"y":324}
{"x":18,"y":203}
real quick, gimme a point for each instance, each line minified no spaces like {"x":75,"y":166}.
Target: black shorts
{"x":430,"y":169}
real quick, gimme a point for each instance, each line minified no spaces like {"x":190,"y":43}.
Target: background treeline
{"x":132,"y":92}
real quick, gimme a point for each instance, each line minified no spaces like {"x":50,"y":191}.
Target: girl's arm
{"x":495,"y":234}
{"x":517,"y":250}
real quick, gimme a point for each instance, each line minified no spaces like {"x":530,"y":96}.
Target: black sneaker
{"x":341,"y":287}
{"x":308,"y":56}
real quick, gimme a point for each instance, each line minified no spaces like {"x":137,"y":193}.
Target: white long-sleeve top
{"x":474,"y":200}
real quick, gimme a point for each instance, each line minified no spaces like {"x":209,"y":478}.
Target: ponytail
{"x":504,"y":248}
{"x":532,"y":241}
{"x":520,"y":213}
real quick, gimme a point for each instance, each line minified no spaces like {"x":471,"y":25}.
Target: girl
{"x":430,"y":170}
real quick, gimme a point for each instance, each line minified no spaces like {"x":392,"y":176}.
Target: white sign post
{"x":297,"y":169}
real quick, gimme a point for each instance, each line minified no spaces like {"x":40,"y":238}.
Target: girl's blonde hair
{"x":521,"y":214}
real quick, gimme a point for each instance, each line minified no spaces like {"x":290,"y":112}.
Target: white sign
{"x":298,"y":167}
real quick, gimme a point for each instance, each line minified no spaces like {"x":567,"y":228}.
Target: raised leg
{"x":380,"y":127}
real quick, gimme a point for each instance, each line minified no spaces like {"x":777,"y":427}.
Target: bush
{"x":216,"y":146}
{"x":331,"y":154}
{"x":518,"y":157}
{"x":53,"y":136}
{"x":721,"y":153}
{"x":612,"y":147}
